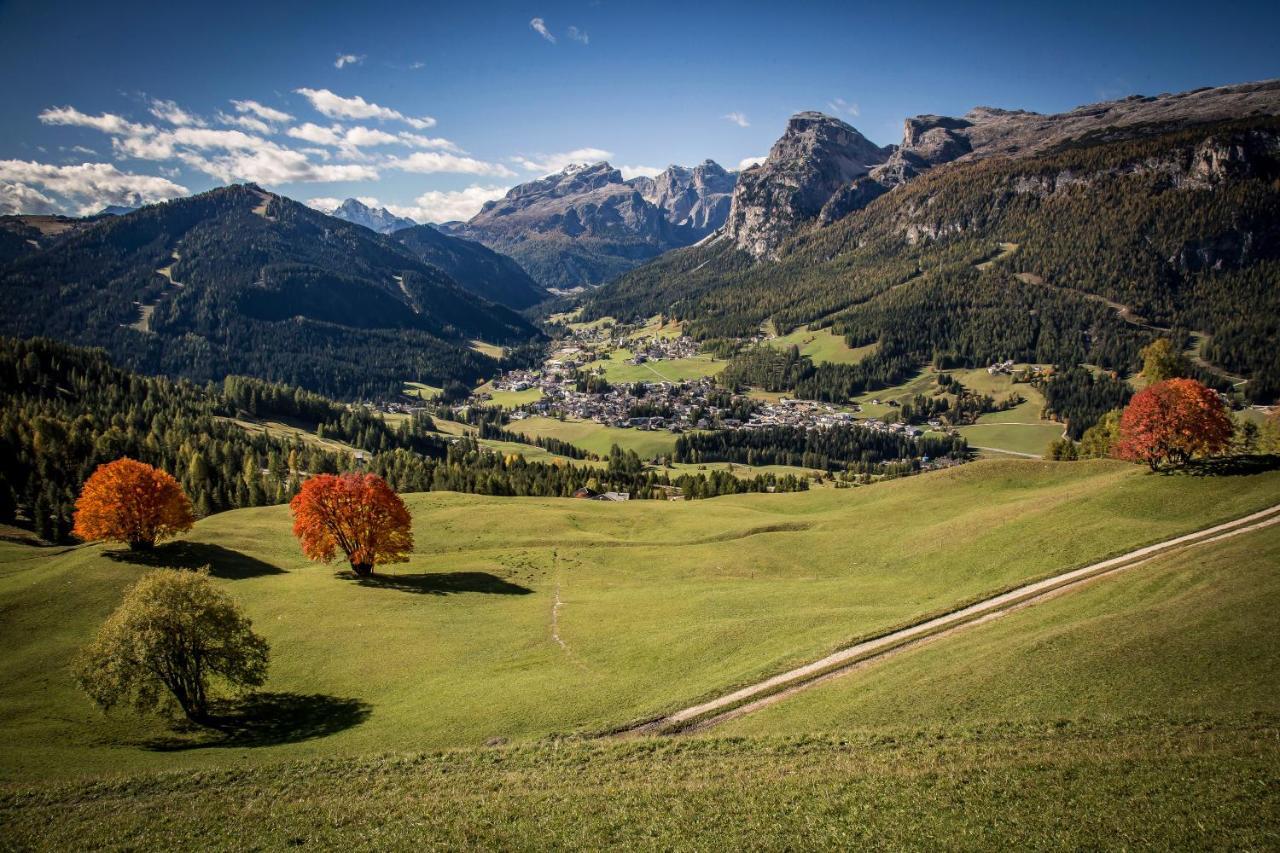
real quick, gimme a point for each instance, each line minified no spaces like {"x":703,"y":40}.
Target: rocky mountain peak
{"x":376,"y":219}
{"x":816,"y":156}
{"x":696,"y":198}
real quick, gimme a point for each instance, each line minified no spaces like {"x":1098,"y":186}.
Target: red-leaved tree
{"x":130,"y":501}
{"x":357,"y":514}
{"x":1173,"y":421}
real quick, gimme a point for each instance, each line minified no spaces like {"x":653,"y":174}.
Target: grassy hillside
{"x":1178,"y":788}
{"x":1192,"y":635}
{"x":517,"y":618}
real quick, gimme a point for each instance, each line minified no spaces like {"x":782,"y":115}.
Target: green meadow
{"x":521,"y":618}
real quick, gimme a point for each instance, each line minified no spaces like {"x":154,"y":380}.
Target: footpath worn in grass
{"x":517,"y":618}
{"x":1185,"y":787}
{"x":1193,"y":634}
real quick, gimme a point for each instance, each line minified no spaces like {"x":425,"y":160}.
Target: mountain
{"x":696,"y":198}
{"x":239,"y":280}
{"x":816,"y":156}
{"x":116,"y":210}
{"x":586,"y":225}
{"x":475,"y":267}
{"x":1071,"y":238}
{"x":380,"y":219}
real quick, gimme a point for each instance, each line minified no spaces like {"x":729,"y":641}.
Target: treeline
{"x":468,"y":467}
{"x":849,"y":448}
{"x":1079,"y":397}
{"x":66,"y":410}
{"x":490,"y":430}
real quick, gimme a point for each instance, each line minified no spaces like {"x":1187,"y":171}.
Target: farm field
{"x":510,"y":399}
{"x":520,"y":618}
{"x":598,"y":438}
{"x":1018,"y":431}
{"x":1192,"y":635}
{"x":822,"y":345}
{"x":616,"y":368}
{"x":421,"y":390}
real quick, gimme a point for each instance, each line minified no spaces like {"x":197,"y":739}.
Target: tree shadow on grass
{"x":1229,"y":466}
{"x":439,"y":583}
{"x":222,"y":562}
{"x":267,"y":719}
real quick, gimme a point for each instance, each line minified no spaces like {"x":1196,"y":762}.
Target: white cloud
{"x":246,"y":122}
{"x":106,"y":123}
{"x":630,"y":172}
{"x":414,"y":66}
{"x":309,"y":132}
{"x":737,"y":118}
{"x":840,"y":106}
{"x":747,"y":162}
{"x":89,"y":186}
{"x":336,"y":106}
{"x":273,"y":165}
{"x":540,"y":27}
{"x":170,"y":112}
{"x":346,"y":59}
{"x":579,"y":35}
{"x":20,"y":198}
{"x":549,"y":164}
{"x":80,"y":149}
{"x":265,"y":113}
{"x":416,"y":140}
{"x":325,"y":204}
{"x":442,"y":206}
{"x":432,"y":162}
{"x":363,"y":136}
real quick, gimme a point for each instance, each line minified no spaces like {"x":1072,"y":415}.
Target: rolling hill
{"x":595,"y":615}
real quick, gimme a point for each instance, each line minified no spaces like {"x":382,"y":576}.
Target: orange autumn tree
{"x":357,"y":514}
{"x":1173,"y":421}
{"x":130,"y":501}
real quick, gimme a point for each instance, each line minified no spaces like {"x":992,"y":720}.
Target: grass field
{"x":510,"y":399}
{"x":616,"y":368}
{"x":1081,"y":787}
{"x":660,"y":604}
{"x":1019,"y":430}
{"x":823,"y":345}
{"x":421,"y":391}
{"x":598,"y":438}
{"x":1188,"y":636}
{"x":491,"y":350}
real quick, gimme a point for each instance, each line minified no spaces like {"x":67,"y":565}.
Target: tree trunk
{"x":362,"y":569}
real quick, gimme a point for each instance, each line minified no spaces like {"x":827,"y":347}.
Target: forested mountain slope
{"x":1109,"y":239}
{"x":238,"y":280}
{"x":475,"y":267}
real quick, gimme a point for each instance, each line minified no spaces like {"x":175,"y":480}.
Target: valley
{"x":921,"y":495}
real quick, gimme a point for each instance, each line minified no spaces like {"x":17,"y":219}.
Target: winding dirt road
{"x":772,"y":690}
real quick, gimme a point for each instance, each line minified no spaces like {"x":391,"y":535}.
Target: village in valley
{"x":572,"y":383}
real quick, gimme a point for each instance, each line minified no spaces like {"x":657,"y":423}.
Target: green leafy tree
{"x":174,"y":633}
{"x":1098,"y":439}
{"x":1161,"y":360}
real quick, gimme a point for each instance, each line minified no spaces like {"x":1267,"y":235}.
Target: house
{"x":585,"y":493}
{"x":612,"y":496}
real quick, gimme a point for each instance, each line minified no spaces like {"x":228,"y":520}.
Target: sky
{"x":433,"y":108}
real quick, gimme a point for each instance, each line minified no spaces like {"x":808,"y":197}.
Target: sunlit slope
{"x":517,"y":618}
{"x":1190,"y":636}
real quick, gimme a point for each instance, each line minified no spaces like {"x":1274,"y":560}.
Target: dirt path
{"x":775,"y":689}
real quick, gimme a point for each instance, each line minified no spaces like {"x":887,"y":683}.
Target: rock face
{"x":929,"y":140}
{"x":696,"y":198}
{"x":585,"y":225}
{"x":381,"y":220}
{"x":816,"y":157}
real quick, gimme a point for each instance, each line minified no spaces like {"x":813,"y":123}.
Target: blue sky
{"x":432,"y":108}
